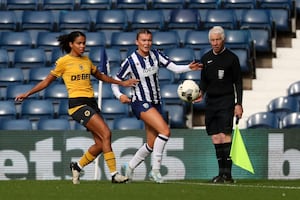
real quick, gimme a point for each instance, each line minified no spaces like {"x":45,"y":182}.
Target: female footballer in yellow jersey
{"x":76,"y":70}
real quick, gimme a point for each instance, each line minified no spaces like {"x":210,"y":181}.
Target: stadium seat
{"x":176,"y":114}
{"x":220,"y":17}
{"x":15,"y":40}
{"x":284,"y":22}
{"x":191,"y":75}
{"x":283,"y":105}
{"x":53,"y":124}
{"x":127,"y":123}
{"x":150,"y":19}
{"x":94,"y":55}
{"x":36,"y":109}
{"x":48,"y":40}
{"x":38,"y":74}
{"x":62,"y":109}
{"x":21,"y":5}
{"x":165,"y":39}
{"x":184,"y":19}
{"x":16,"y":124}
{"x":113,"y":108}
{"x":94,"y":39}
{"x":238,"y":4}
{"x":95,"y":4}
{"x":58,"y":5}
{"x":8,"y":21}
{"x":204,"y":4}
{"x":79,"y":20}
{"x":245,"y":61}
{"x":8,"y":110}
{"x":106,"y":91}
{"x":11,"y":76}
{"x":197,"y":39}
{"x":180,"y":56}
{"x":131,"y":4}
{"x":14,"y":90}
{"x":56,"y":91}
{"x":111,"y":20}
{"x":165,"y":76}
{"x":55,"y":53}
{"x":114,"y":57}
{"x":262,"y":29}
{"x":263,"y":120}
{"x":294,"y":90}
{"x":123,"y":40}
{"x":29,"y":58}
{"x":37,"y":20}
{"x":169,"y":94}
{"x":4,"y":59}
{"x":291,"y":120}
{"x":171,"y":4}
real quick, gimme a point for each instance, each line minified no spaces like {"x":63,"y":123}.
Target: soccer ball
{"x":188,"y":91}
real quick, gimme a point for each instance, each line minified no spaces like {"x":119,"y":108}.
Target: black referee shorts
{"x":219,"y":114}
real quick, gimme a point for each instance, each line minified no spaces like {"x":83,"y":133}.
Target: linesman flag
{"x":238,"y":152}
{"x":103,"y":64}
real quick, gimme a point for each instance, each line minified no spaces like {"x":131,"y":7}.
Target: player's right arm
{"x":38,"y":87}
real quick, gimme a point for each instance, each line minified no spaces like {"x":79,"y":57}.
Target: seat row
{"x":128,"y":20}
{"x":135,"y":4}
{"x":282,"y":112}
{"x":125,"y":123}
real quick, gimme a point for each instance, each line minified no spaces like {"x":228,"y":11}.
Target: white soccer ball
{"x":188,"y":91}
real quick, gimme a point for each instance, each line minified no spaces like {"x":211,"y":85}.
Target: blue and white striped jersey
{"x":146,"y":70}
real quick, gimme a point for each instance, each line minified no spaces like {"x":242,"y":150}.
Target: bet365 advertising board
{"x":189,"y":154}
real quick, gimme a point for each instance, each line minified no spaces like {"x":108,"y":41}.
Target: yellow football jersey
{"x":76,"y":73}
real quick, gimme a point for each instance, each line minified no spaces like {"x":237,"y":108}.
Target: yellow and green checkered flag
{"x":238,"y":152}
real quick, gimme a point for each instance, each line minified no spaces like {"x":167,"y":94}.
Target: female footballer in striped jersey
{"x":143,"y":64}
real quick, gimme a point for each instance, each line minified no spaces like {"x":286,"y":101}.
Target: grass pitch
{"x":141,"y":190}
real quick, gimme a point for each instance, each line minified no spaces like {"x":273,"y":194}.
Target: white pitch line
{"x":239,"y":185}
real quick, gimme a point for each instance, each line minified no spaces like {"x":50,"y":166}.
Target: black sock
{"x":219,"y":155}
{"x":227,"y":159}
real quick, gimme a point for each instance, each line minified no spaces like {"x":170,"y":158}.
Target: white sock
{"x":158,"y":148}
{"x":140,"y":156}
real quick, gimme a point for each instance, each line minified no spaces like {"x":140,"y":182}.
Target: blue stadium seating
{"x":131,"y":4}
{"x":56,"y":91}
{"x":176,"y":114}
{"x":184,"y":19}
{"x":170,"y":4}
{"x":4,"y":59}
{"x":95,"y":4}
{"x":181,"y":55}
{"x":150,"y":19}
{"x":15,"y":40}
{"x":165,"y":76}
{"x":191,"y":75}
{"x":113,"y":108}
{"x":283,"y":105}
{"x":58,"y":5}
{"x":11,"y":76}
{"x":8,"y":110}
{"x":29,"y":58}
{"x":16,"y":124}
{"x":21,"y":5}
{"x":15,"y":90}
{"x":53,"y":124}
{"x":111,"y":20}
{"x":8,"y":21}
{"x":79,"y":20}
{"x":263,"y":120}
{"x":37,"y":20}
{"x":291,"y":120}
{"x":294,"y":90}
{"x":197,"y":39}
{"x":220,"y":17}
{"x":48,"y":40}
{"x":127,"y":123}
{"x":238,"y":4}
{"x":204,"y":4}
{"x":36,"y":109}
{"x":94,"y":39}
{"x":165,"y":40}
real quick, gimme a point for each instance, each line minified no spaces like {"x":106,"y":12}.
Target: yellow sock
{"x":86,"y":159}
{"x":110,"y":160}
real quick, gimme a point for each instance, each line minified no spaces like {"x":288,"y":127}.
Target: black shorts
{"x":83,"y":114}
{"x":88,"y":109}
{"x":142,"y":106}
{"x":219,"y":113}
